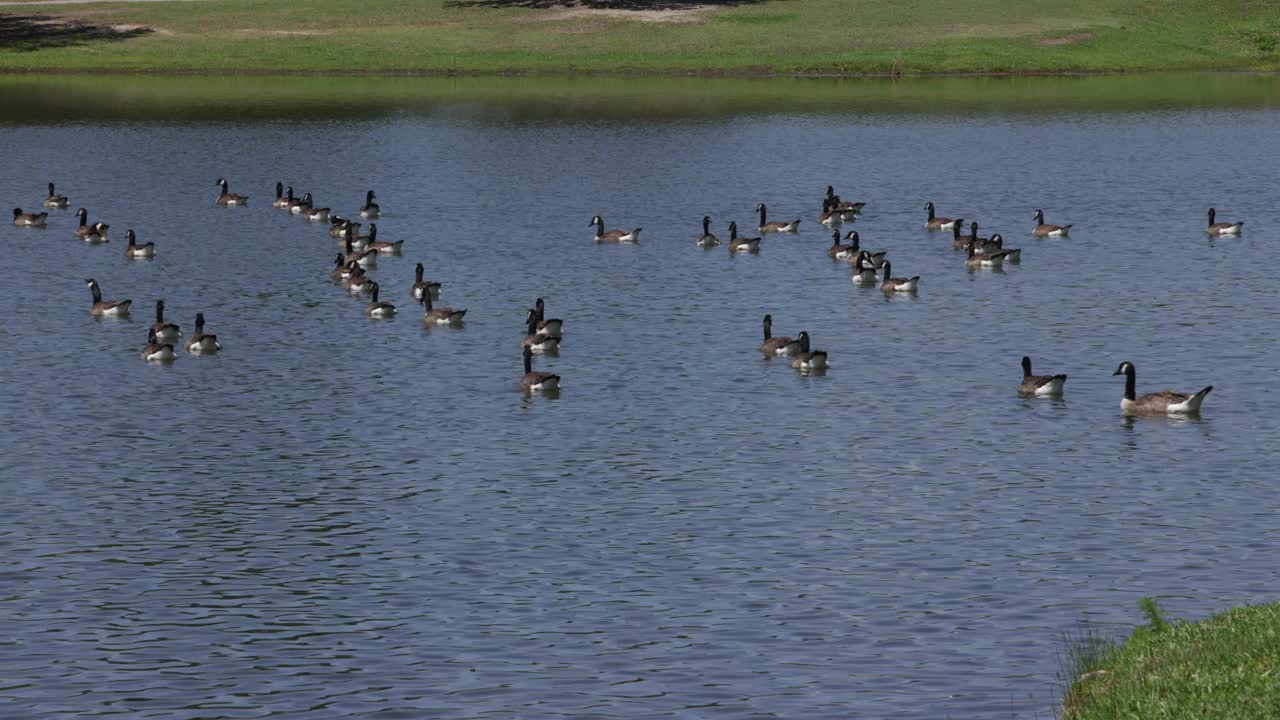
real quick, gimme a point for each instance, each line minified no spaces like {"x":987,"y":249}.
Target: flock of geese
{"x":359,"y":252}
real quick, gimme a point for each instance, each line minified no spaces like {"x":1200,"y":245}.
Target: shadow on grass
{"x":27,"y":33}
{"x":600,"y":4}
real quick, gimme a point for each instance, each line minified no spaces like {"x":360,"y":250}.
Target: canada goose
{"x":551,"y":326}
{"x":382,"y":246}
{"x":776,"y":226}
{"x":958,"y":241}
{"x":441,"y":315}
{"x":22,"y":219}
{"x":892,"y":284}
{"x":535,"y":340}
{"x":166,"y":331}
{"x":97,"y":234}
{"x":937,"y":223}
{"x":315,"y":214}
{"x":134,"y":250}
{"x":808,"y":359}
{"x":281,"y":201}
{"x":779,"y":346}
{"x":227,"y":199}
{"x":338,"y":226}
{"x":1011,"y":254}
{"x":377,"y":309}
{"x":357,"y":282}
{"x":358,"y":241}
{"x":55,"y":200}
{"x":984,"y":259}
{"x":367,"y":258}
{"x":1217,"y":228}
{"x":874,"y":258}
{"x":421,"y":287}
{"x":864,"y":272}
{"x":1039,"y":384}
{"x":370,"y":211}
{"x":157,"y":351}
{"x":829,"y":217}
{"x":202,"y":343}
{"x":297,"y":205}
{"x":287,"y":202}
{"x":542,"y":381}
{"x":706,"y":239}
{"x":846,"y":209}
{"x":84,"y":228}
{"x":108,"y":308}
{"x":614,"y":236}
{"x":340,"y":271}
{"x":836,"y":250}
{"x":741,"y":244}
{"x":1165,"y":402}
{"x":1043,"y":230}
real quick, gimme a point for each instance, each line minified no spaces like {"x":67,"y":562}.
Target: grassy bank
{"x":1226,"y":667}
{"x":752,"y":37}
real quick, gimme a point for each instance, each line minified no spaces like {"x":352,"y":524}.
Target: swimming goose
{"x":1165,"y":402}
{"x":441,"y":315}
{"x":97,"y":234}
{"x":338,"y":226}
{"x":541,"y":381}
{"x":706,"y":239}
{"x":340,"y":271}
{"x":614,"y":236}
{"x":780,"y":346}
{"x":166,"y":331}
{"x":202,"y":343}
{"x":937,"y":223}
{"x":134,"y":250}
{"x":836,"y":250}
{"x":892,"y":284}
{"x":776,"y":226}
{"x":377,"y":309}
{"x":367,"y":258}
{"x":227,"y":199}
{"x":983,"y":259}
{"x":808,"y":359}
{"x":958,"y":241}
{"x":1044,"y":230}
{"x":281,"y":201}
{"x":358,"y":241}
{"x":370,"y":211}
{"x":1217,"y":228}
{"x":84,"y":228}
{"x":107,"y":308}
{"x":288,"y":201}
{"x":551,"y":326}
{"x":157,"y":351}
{"x":846,"y":209}
{"x":382,"y":246}
{"x":875,"y":258}
{"x":421,"y":287}
{"x":1011,"y":254}
{"x":829,"y":217}
{"x":55,"y":200}
{"x":864,"y":272}
{"x":358,"y":282}
{"x":22,"y":219}
{"x":741,"y":244}
{"x":314,"y":214}
{"x":297,"y":205}
{"x":534,"y":339}
{"x":1039,"y":384}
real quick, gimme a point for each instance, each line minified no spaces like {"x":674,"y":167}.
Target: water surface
{"x":338,"y":517}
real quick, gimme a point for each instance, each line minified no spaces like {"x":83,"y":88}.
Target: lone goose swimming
{"x":776,"y":226}
{"x":613,"y":236}
{"x":1165,"y":402}
{"x":106,"y":308}
{"x":893,"y":284}
{"x":808,"y":359}
{"x":377,"y":309}
{"x":22,"y":219}
{"x":167,"y":332}
{"x":202,"y":343}
{"x":1042,"y":385}
{"x":741,"y":244}
{"x":706,"y":239}
{"x":229,"y":199}
{"x":1217,"y":228}
{"x":54,"y":200}
{"x":935,"y":222}
{"x":134,"y":250}
{"x":370,"y":209}
{"x":537,"y":381}
{"x":441,"y":315}
{"x":1045,"y":230}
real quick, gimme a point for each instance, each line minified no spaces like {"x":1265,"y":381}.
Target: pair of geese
{"x":162,"y":335}
{"x":543,"y":336}
{"x":1165,"y":402}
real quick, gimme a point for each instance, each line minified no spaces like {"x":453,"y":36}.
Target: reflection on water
{"x":336,"y":517}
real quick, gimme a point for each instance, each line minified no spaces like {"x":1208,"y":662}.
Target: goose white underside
{"x":317,"y":217}
{"x":1053,"y":387}
{"x":818,"y":362}
{"x":359,"y":289}
{"x":547,"y":385}
{"x":986,"y":261}
{"x":368,"y":261}
{"x":143,"y":252}
{"x":204,"y":347}
{"x":865,"y":277}
{"x":370,"y":214}
{"x":164,"y":354}
{"x":832,"y":221}
{"x":169,"y":336}
{"x":845,"y":254}
{"x":383,"y":312}
{"x":906,"y":286}
{"x":745,"y":247}
{"x":95,"y":239}
{"x":117,"y":311}
{"x":788,"y":350}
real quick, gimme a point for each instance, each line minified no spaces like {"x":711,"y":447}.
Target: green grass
{"x":776,"y":37}
{"x":1226,"y":667}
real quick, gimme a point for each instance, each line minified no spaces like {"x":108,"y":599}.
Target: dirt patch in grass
{"x":259,"y":32}
{"x":690,"y":14}
{"x":1065,"y":39}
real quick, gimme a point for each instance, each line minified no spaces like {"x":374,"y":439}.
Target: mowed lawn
{"x":772,"y":37}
